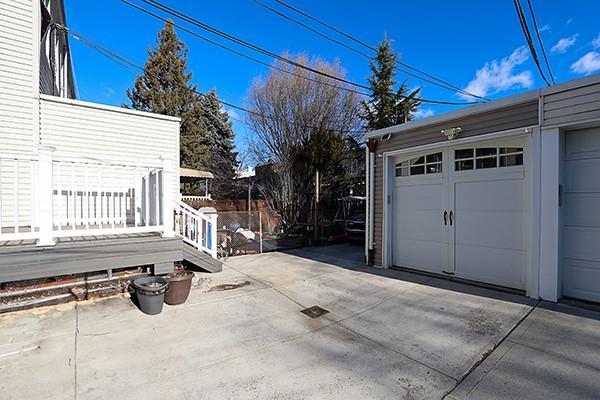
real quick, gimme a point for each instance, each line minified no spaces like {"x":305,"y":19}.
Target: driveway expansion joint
{"x":491,"y":351}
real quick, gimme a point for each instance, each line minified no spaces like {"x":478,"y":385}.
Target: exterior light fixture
{"x":386,"y":137}
{"x":451,"y":133}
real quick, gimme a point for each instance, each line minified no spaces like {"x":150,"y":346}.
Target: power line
{"x":124,"y":61}
{"x":249,"y":45}
{"x":302,"y":24}
{"x":441,"y":82}
{"x":239,"y":53}
{"x":528,"y":39}
{"x":539,"y":37}
{"x":362,"y":53}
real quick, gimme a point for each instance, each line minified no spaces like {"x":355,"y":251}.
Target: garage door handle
{"x":445,"y":217}
{"x":451,"y":218}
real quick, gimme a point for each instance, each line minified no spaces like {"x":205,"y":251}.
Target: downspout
{"x":371,"y":146}
{"x":367,"y":205}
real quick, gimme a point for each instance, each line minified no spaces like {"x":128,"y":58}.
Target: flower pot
{"x":150,"y":293}
{"x":180,"y":283}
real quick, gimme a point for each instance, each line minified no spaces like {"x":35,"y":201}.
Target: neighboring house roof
{"x":246,"y":173}
{"x":192,"y":174}
{"x":483,"y":107}
{"x":55,"y":41}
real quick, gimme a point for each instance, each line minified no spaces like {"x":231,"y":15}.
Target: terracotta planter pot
{"x":180,"y":283}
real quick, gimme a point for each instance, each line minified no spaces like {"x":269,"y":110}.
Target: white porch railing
{"x":18,"y":211}
{"x":196,"y":228}
{"x":95,"y":197}
{"x":44,"y":197}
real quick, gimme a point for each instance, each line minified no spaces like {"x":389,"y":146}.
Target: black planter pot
{"x":150,"y":293}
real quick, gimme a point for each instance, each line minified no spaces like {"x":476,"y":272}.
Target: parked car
{"x":355,"y":227}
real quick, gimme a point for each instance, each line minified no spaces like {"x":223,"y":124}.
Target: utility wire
{"x":126,"y":62}
{"x":528,"y":39}
{"x":441,"y":82}
{"x":539,"y":37}
{"x":249,"y":45}
{"x":305,"y":26}
{"x":362,"y":53}
{"x":239,"y":53}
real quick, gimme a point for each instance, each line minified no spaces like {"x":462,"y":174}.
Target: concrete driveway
{"x":241,"y":335}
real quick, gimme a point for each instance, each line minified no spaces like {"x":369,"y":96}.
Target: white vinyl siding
{"x":82,"y":129}
{"x":18,"y":107}
{"x":17,"y":75}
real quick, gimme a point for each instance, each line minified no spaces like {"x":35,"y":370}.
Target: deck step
{"x":200,"y":259}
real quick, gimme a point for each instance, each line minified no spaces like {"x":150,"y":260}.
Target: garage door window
{"x":427,"y":164}
{"x":487,"y":157}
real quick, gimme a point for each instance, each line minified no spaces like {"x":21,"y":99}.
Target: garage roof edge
{"x":452,"y":115}
{"x":491,"y":105}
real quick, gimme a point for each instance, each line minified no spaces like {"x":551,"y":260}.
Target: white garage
{"x":581,"y":215}
{"x":505,"y":193}
{"x":461,"y":211}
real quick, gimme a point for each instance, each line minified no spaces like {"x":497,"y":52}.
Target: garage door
{"x":487,"y":197}
{"x":462,"y":212}
{"x":420,"y":241}
{"x":581,"y":218}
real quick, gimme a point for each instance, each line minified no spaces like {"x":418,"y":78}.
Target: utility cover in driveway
{"x":314,"y":311}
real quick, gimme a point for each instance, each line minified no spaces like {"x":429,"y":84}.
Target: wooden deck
{"x":21,"y":260}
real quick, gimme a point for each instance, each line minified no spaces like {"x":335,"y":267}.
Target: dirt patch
{"x":229,"y":286}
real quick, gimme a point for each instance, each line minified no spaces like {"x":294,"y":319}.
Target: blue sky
{"x":473,"y":44}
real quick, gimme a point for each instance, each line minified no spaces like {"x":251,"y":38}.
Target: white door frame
{"x":532,"y":164}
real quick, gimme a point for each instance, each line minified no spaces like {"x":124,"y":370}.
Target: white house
{"x":505,"y":193}
{"x":74,"y":171}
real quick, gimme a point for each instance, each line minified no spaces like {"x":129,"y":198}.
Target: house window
{"x":427,"y":164}
{"x":487,"y":157}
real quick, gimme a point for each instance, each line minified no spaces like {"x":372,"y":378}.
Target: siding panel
{"x":83,"y":129}
{"x":522,"y":115}
{"x":17,"y":81}
{"x":18,"y":106}
{"x":572,"y":105}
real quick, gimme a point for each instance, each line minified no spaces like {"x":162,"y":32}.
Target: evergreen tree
{"x":387,"y":106}
{"x":206,"y":136}
{"x":218,"y":140}
{"x":165,"y":87}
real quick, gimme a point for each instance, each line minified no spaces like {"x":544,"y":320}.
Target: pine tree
{"x":218,"y":140}
{"x":206,"y":135}
{"x":165,"y":87}
{"x":387,"y":106}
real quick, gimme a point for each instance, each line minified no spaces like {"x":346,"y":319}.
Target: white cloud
{"x":496,"y":76}
{"x":108,"y":92}
{"x":423,"y":113}
{"x":563,"y":44}
{"x":545,"y":28}
{"x":596,"y":42}
{"x":569,"y":21}
{"x":587,"y":64}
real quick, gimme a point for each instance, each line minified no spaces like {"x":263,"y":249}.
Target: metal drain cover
{"x":314,"y":311}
